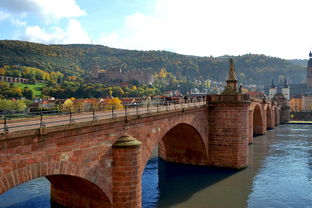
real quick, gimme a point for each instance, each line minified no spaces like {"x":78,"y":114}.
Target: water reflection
{"x":182,"y":184}
{"x":33,"y":194}
{"x":283,"y":180}
{"x":279,"y":175}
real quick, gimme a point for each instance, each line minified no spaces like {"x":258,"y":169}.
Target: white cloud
{"x":48,"y":10}
{"x":74,"y":33}
{"x":18,"y":22}
{"x":3,"y":15}
{"x":208,"y":27}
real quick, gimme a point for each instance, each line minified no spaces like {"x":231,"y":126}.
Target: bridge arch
{"x":73,"y":191}
{"x":183,"y":144}
{"x":258,"y":124}
{"x":153,"y":133}
{"x":269,"y":118}
{"x":66,"y":180}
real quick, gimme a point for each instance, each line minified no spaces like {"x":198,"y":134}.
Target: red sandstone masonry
{"x":127,"y":185}
{"x":85,"y":151}
{"x":228,"y":134}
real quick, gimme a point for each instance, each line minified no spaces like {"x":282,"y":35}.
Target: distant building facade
{"x":295,"y":90}
{"x":141,"y":76}
{"x":307,"y":103}
{"x":296,"y":104}
{"x":13,"y":79}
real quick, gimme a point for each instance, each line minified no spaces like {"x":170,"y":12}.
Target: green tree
{"x":12,"y":106}
{"x":28,"y":93}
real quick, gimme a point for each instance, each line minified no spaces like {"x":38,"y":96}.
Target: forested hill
{"x":79,"y":59}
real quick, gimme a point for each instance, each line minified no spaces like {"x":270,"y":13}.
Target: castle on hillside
{"x":115,"y":74}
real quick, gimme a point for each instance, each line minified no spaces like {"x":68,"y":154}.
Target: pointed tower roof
{"x":285,"y":84}
{"x":310,"y":60}
{"x":272,"y":85}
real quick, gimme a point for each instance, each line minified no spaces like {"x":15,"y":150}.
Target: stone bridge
{"x":100,"y":163}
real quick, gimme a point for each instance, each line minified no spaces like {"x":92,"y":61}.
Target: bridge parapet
{"x":228,"y":98}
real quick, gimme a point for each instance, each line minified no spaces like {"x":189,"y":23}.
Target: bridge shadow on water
{"x":177,"y":182}
{"x":39,"y":201}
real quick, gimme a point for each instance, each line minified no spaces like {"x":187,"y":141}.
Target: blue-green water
{"x":279,"y":176}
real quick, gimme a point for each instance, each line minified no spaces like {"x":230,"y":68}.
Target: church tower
{"x":309,"y":71}
{"x":285,"y":90}
{"x":272,"y":91}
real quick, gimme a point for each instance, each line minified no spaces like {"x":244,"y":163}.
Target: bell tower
{"x":272,"y":91}
{"x":309,"y":71}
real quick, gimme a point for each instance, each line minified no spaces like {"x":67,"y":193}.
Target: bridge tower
{"x":285,"y":90}
{"x":228,"y":125}
{"x":272,"y":91}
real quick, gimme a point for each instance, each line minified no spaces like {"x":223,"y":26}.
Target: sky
{"x":280,"y":28}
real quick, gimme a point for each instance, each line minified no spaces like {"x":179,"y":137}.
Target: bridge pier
{"x":228,"y":130}
{"x":127,"y":173}
{"x":285,"y":114}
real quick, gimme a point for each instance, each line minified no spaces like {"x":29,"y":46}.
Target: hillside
{"x":302,"y":62}
{"x":79,"y":59}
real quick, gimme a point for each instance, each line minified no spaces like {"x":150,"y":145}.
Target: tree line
{"x":79,"y":59}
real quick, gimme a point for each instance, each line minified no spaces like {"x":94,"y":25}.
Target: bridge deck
{"x":16,"y":125}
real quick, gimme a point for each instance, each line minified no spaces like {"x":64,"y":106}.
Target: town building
{"x":296,"y":104}
{"x":295,"y":90}
{"x":307,"y":103}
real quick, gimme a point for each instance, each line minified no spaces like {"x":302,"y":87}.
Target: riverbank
{"x":300,"y":122}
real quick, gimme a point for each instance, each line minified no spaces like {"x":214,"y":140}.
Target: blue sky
{"x":194,"y":27}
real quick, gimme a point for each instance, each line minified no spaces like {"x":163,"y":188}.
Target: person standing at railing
{"x":185,"y":99}
{"x":148,"y":101}
{"x":169,"y":99}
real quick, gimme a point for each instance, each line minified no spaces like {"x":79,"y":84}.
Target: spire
{"x":232,"y":75}
{"x":310,"y":54}
{"x":285,"y":84}
{"x":231,"y":82}
{"x":272,"y":85}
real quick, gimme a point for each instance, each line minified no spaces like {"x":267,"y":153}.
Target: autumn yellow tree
{"x":162,"y":73}
{"x":68,"y":104}
{"x":114,"y":103}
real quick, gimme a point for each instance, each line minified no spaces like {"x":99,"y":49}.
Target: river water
{"x":279,"y":176}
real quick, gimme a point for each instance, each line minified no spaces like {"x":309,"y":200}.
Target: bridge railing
{"x":42,"y":119}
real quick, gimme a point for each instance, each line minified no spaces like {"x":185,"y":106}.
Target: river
{"x":279,"y":175}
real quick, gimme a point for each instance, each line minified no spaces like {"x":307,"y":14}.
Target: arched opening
{"x":71,"y":191}
{"x":170,"y":181}
{"x":183,"y":144}
{"x":257,"y":121}
{"x":268,"y":119}
{"x":64,"y":190}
